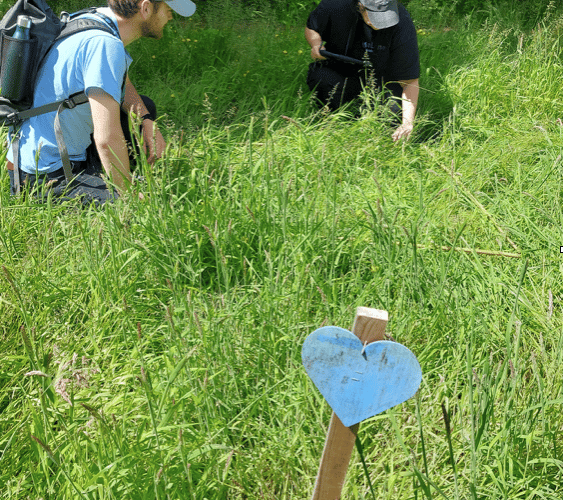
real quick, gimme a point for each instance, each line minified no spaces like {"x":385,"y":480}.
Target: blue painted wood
{"x":355,"y":385}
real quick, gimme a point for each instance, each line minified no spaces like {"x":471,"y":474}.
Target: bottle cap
{"x":24,"y":22}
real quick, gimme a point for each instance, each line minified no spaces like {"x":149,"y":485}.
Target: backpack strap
{"x":21,"y":116}
{"x":78,"y":25}
{"x":16,"y":153}
{"x":69,"y":103}
{"x":59,"y":106}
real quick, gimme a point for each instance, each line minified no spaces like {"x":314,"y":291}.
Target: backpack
{"x":46,"y":29}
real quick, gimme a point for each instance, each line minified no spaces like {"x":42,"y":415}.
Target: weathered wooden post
{"x":360,"y":375}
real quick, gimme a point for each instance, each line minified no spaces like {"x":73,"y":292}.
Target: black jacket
{"x":393,"y":51}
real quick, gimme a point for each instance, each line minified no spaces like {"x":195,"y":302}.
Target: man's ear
{"x":146,"y":8}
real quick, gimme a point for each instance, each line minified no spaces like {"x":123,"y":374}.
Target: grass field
{"x":152,"y":349}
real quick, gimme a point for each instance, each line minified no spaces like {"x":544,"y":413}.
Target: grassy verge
{"x":152,"y":350}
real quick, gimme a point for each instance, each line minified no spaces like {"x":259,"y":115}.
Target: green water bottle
{"x":17,"y":62}
{"x":23,"y":25}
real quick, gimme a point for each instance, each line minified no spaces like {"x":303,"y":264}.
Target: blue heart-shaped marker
{"x":355,"y":385}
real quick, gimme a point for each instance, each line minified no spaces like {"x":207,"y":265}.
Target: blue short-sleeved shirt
{"x":84,"y":61}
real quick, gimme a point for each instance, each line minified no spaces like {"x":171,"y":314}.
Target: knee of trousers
{"x":332,"y":85}
{"x":150,"y":105}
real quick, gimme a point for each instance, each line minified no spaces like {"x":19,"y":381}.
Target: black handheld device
{"x":345,"y":59}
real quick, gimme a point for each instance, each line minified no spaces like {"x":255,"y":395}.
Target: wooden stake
{"x":369,"y":326}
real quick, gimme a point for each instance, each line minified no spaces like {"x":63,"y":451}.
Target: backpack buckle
{"x":12,"y":119}
{"x":69,"y":103}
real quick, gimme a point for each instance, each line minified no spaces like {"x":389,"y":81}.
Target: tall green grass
{"x":152,"y":349}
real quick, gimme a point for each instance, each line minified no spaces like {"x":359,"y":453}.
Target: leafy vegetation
{"x":152,"y":349}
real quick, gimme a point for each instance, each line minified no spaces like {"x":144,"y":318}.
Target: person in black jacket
{"x":381,"y":30}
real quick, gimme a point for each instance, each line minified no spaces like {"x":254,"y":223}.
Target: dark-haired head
{"x":128,"y":8}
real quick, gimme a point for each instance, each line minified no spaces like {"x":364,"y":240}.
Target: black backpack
{"x":45,"y":30}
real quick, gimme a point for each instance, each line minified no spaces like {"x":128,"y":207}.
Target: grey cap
{"x":382,"y":13}
{"x":183,"y":7}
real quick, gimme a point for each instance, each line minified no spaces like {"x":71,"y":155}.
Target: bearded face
{"x":151,"y":29}
{"x":154,"y":26}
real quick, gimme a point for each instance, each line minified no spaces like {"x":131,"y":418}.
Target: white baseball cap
{"x":183,"y":7}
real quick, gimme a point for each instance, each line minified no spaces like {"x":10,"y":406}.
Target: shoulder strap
{"x":78,"y":25}
{"x":351,"y":35}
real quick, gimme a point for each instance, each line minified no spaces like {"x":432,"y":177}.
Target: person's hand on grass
{"x":154,"y":140}
{"x":403,"y":132}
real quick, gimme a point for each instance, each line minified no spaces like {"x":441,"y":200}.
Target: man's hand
{"x":410,"y":100}
{"x":153,"y":141}
{"x":316,"y":42}
{"x":403,"y":132}
{"x":316,"y":53}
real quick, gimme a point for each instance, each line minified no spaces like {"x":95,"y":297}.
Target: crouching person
{"x":381,"y":31}
{"x":96,"y":133}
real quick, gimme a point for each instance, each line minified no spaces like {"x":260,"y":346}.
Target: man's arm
{"x":315,"y":40}
{"x":151,"y":135}
{"x":109,"y":138}
{"x":410,"y":101}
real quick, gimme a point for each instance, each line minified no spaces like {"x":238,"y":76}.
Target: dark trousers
{"x":338,"y":84}
{"x":87,"y":183}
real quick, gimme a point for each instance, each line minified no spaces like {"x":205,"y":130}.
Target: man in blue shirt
{"x":95,"y":62}
{"x":380,"y":30}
